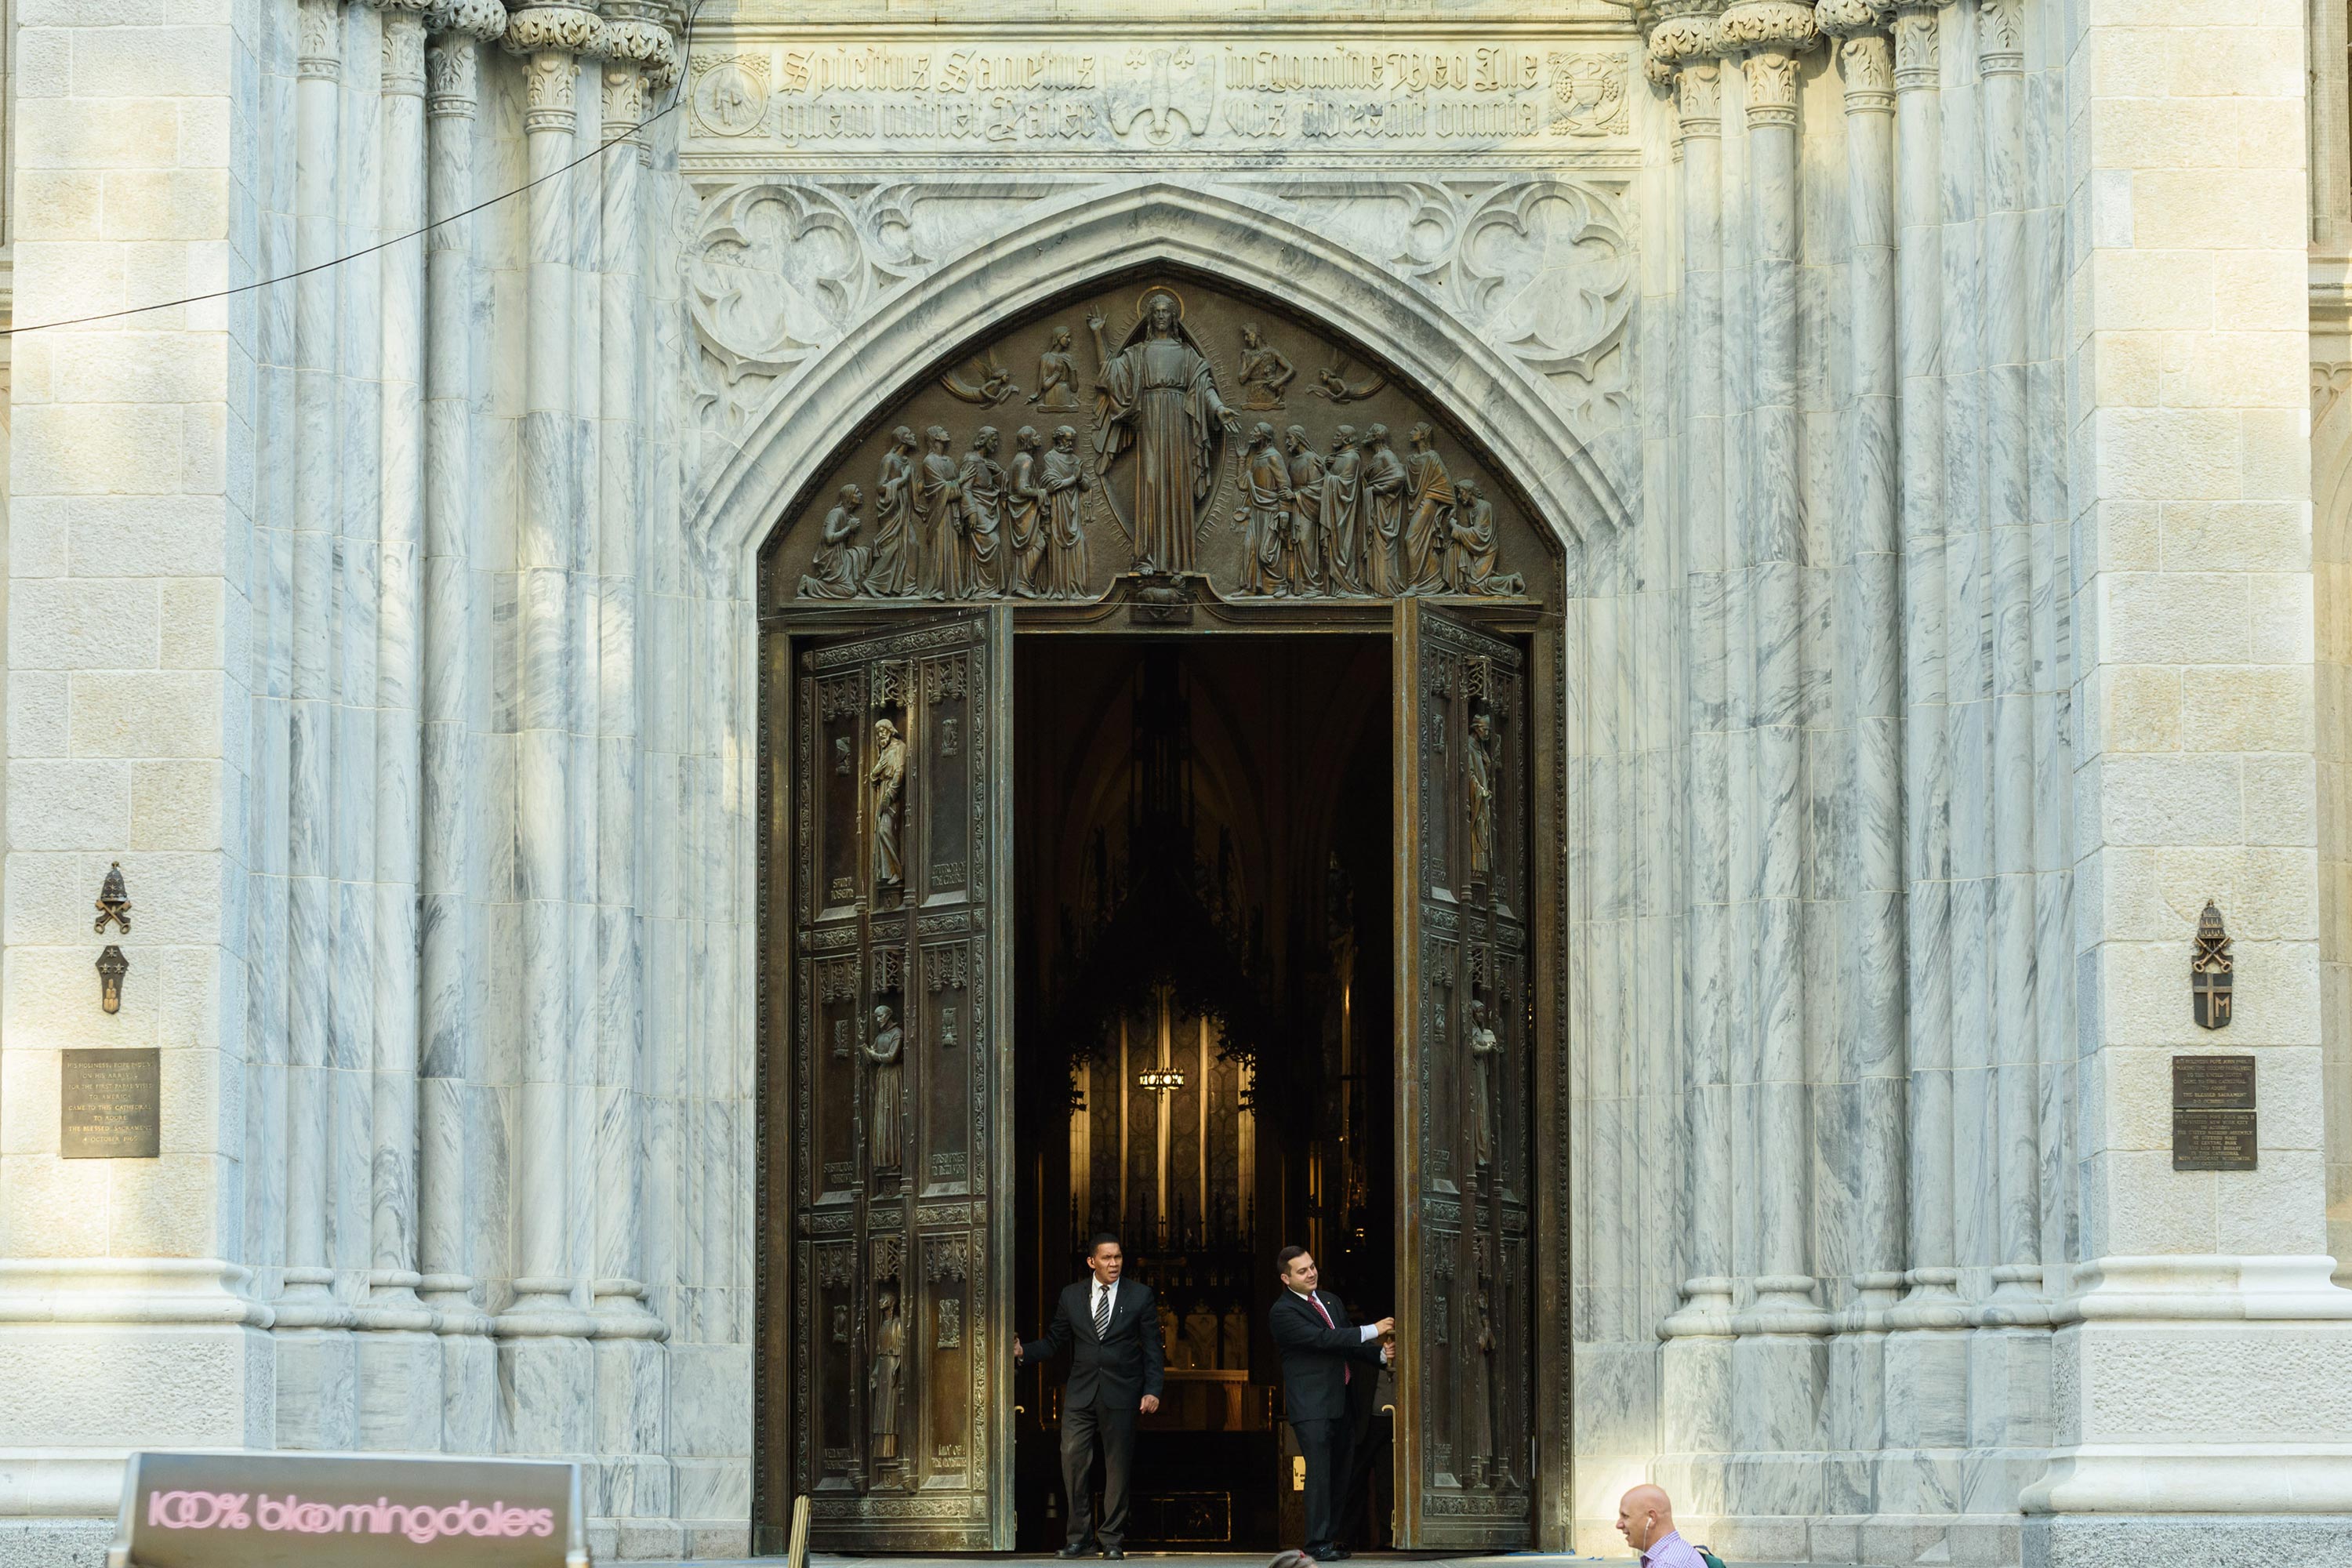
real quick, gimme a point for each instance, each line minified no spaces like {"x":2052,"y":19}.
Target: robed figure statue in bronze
{"x":1158,"y":397}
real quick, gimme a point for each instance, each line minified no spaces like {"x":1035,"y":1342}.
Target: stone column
{"x":457,"y":1106}
{"x":2017,"y":1023}
{"x":307,"y":1301}
{"x":1926,"y":1367}
{"x":632,"y":1400}
{"x":399,"y":1366}
{"x":545,"y":1354}
{"x":1771,"y":34}
{"x":1870,"y":667}
{"x":1686,"y":51}
{"x":1777,"y":1365}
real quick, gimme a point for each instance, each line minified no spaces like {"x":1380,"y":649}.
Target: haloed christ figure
{"x":1158,"y":397}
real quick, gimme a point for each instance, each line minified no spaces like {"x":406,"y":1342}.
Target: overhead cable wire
{"x":676,"y":96}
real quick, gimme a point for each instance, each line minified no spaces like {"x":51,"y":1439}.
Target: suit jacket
{"x":1314,"y":1358}
{"x":1122,"y":1366}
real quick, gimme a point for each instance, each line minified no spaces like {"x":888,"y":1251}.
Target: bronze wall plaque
{"x":112,"y":1105}
{"x":2213,"y":1113}
{"x":2212,"y":1083}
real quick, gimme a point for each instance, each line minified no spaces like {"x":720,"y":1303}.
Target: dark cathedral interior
{"x":1205,"y":1027}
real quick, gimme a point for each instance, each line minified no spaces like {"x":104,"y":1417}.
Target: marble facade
{"x":1957,"y":574}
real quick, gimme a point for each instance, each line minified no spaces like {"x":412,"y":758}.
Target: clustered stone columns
{"x":436,"y":1239}
{"x":1873,"y":1001}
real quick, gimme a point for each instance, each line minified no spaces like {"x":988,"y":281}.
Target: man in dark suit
{"x":1324,"y":1350}
{"x":1116,"y":1375}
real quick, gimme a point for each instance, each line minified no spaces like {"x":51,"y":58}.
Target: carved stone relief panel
{"x":1159,"y":426}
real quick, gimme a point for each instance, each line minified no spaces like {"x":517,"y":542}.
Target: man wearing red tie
{"x":1323,"y":1349}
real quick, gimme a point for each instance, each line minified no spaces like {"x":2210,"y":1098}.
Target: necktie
{"x":1102,"y":1311}
{"x":1347,"y":1373}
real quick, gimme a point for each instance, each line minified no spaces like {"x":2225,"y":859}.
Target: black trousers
{"x":1326,"y":1446}
{"x":1081,"y":1428}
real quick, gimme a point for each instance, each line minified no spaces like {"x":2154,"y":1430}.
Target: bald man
{"x":1645,"y":1518}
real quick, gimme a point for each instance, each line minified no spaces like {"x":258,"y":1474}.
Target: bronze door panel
{"x":1465,"y":1449}
{"x":900,"y":1427}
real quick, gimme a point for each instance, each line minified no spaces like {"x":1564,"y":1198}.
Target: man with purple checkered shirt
{"x":1646,"y":1520}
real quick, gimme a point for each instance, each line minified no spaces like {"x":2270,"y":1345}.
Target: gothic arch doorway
{"x":1170,"y":484}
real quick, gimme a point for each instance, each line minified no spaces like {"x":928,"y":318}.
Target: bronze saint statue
{"x":939,"y":511}
{"x":1264,"y":372}
{"x":1024,"y":533}
{"x":1385,"y":487}
{"x":1057,"y":374}
{"x":882,"y":1375}
{"x":1265,"y":520}
{"x":981,"y":564}
{"x":1342,"y":500}
{"x":1470,"y":559}
{"x":883,"y":1052}
{"x":888,"y":777}
{"x":1422,"y":565}
{"x":1303,"y":562}
{"x":1485,"y":1056}
{"x":1158,"y":397}
{"x":838,"y":571}
{"x":890,"y":571}
{"x":1061,"y":482}
{"x":1481,"y":771}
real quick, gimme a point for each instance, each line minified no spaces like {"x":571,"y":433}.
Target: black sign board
{"x":2213,"y":1113}
{"x":112,"y":1105}
{"x":355,"y":1511}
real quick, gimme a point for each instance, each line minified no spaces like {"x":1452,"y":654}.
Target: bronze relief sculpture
{"x":1154,"y":449}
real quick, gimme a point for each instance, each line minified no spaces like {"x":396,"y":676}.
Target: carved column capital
{"x":1865,"y":55}
{"x":1678,"y":32}
{"x":2000,"y":37}
{"x":551,"y":38}
{"x":1771,"y":35}
{"x":405,"y":22}
{"x":321,"y":50}
{"x":1918,"y":48}
{"x":624,"y":101}
{"x":640,"y":31}
{"x":453,"y":60}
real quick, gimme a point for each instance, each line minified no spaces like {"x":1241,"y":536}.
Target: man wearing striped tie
{"x":1115,"y":1376}
{"x":1323,"y":1351}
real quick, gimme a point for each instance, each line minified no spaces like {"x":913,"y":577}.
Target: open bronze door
{"x":1465,"y":1379}
{"x":900,"y":1041}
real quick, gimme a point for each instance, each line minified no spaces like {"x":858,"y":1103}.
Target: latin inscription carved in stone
{"x":1164,"y":94}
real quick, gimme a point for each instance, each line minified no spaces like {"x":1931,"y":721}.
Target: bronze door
{"x":1465,"y":1420}
{"x":901,"y":1171}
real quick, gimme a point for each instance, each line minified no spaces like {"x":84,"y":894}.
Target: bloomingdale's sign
{"x":293,"y":1510}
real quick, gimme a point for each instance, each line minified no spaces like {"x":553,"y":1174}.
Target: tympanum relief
{"x":1158,"y":427}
